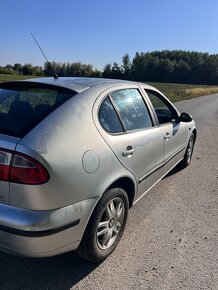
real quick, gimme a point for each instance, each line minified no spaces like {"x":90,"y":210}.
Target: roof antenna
{"x":52,"y":69}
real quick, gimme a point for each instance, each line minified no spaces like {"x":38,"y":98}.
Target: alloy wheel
{"x":110,"y":223}
{"x":190,"y":150}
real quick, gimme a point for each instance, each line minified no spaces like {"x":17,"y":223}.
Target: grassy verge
{"x":179,"y":92}
{"x":175,"y":92}
{"x":7,"y":77}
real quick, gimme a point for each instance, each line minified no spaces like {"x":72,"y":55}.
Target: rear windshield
{"x":22,"y":107}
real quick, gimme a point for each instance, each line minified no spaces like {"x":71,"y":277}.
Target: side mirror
{"x":185,"y":117}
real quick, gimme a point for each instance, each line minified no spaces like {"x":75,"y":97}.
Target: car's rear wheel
{"x":189,"y":151}
{"x":106,"y":226}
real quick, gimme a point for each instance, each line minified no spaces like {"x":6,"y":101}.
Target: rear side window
{"x":108,"y":117}
{"x":132,"y":109}
{"x":23,"y":107}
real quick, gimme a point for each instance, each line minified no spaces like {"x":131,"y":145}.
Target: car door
{"x":175,"y":133}
{"x":126,"y":125}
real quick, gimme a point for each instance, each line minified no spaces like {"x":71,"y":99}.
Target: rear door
{"x":127,"y":127}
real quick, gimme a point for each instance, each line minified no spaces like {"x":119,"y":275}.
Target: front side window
{"x":165,"y":113}
{"x":131,"y":109}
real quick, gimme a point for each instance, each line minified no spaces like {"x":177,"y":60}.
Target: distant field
{"x":179,"y":92}
{"x":175,"y":92}
{"x":7,"y":77}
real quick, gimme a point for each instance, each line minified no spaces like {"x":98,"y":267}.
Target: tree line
{"x":176,"y":66}
{"x":62,"y":69}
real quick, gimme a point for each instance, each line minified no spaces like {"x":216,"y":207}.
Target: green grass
{"x":7,"y":77}
{"x":175,"y":92}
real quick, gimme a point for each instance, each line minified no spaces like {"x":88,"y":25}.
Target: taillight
{"x":5,"y":160}
{"x":20,"y":168}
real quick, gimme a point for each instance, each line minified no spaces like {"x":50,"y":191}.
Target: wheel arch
{"x":127,"y":185}
{"x":124,"y":182}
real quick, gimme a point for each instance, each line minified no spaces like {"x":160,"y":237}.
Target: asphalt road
{"x":171,"y":239}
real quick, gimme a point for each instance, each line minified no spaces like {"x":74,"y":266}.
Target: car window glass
{"x":108,"y":117}
{"x":44,"y":97}
{"x":132,"y":109}
{"x":23,"y":107}
{"x":164,"y":111}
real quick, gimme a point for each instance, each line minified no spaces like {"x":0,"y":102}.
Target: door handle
{"x":167,"y":136}
{"x":129,"y":151}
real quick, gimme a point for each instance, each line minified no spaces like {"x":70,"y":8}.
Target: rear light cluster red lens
{"x":20,"y":168}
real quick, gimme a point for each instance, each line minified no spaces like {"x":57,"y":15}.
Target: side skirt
{"x":157,"y":181}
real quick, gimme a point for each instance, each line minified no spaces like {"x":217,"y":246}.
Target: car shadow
{"x":173,"y":171}
{"x":60,"y":272}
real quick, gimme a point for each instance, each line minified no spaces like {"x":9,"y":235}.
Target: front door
{"x":175,"y":133}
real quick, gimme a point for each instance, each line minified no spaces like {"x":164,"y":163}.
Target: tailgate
{"x":6,"y":143}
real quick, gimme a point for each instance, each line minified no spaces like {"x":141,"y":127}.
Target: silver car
{"x":75,"y":155}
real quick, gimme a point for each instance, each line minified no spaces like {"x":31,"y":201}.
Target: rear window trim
{"x":29,"y":85}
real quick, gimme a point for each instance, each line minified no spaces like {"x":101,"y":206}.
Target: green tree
{"x":107,"y":71}
{"x":116,"y":71}
{"x":166,"y":68}
{"x":138,"y":68}
{"x":17,"y":68}
{"x":126,"y":66}
{"x":27,"y":69}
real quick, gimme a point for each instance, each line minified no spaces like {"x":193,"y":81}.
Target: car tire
{"x":189,"y":151}
{"x":106,"y":226}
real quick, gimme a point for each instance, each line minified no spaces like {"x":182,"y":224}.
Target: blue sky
{"x":102,"y":31}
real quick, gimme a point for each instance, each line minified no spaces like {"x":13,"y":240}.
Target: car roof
{"x":77,"y":84}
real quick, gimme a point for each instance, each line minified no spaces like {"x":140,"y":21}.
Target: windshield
{"x":23,"y":107}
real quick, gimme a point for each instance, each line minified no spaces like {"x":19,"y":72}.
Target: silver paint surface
{"x":83,"y":161}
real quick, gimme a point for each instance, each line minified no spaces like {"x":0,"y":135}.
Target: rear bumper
{"x":43,"y":233}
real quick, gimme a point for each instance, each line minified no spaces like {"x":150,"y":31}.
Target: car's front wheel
{"x":106,"y":226}
{"x":189,"y":151}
